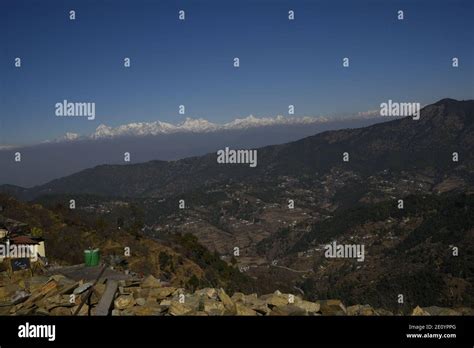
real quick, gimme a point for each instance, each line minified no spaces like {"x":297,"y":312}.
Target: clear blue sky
{"x":174,"y":62}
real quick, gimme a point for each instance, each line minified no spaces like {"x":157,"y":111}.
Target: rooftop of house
{"x":23,"y":240}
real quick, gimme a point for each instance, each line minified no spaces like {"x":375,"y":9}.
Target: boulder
{"x":465,"y":311}
{"x":241,"y":309}
{"x":177,"y":308}
{"x":213,"y":307}
{"x":275,"y":299}
{"x":252,"y":298}
{"x":147,"y":311}
{"x":262,"y":309}
{"x":41,"y":311}
{"x":364,"y":310}
{"x":310,"y":307}
{"x":62,"y":311}
{"x":151,"y":282}
{"x":58,"y":301}
{"x":124,"y":301}
{"x":191,"y":300}
{"x":166,"y":303}
{"x":332,"y":307}
{"x":128,"y":312}
{"x":198,"y":314}
{"x":161,"y":293}
{"x":238,"y":297}
{"x":383,"y":312}
{"x":225,"y":299}
{"x":288,"y":310}
{"x":210,"y":293}
{"x":140,"y":301}
{"x":434,"y":310}
{"x":419,"y":311}
{"x":139,"y":292}
{"x":125,"y":291}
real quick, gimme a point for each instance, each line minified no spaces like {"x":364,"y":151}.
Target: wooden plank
{"x":106,"y":300}
{"x":89,"y":292}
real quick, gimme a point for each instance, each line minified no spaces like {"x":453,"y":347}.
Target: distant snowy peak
{"x":251,"y":121}
{"x":71,"y":136}
{"x":66,"y":137}
{"x":189,"y":125}
{"x":197,"y":125}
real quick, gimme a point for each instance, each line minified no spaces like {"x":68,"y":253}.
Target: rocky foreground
{"x":58,"y":295}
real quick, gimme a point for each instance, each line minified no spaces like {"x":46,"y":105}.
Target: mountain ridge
{"x":444,"y":127}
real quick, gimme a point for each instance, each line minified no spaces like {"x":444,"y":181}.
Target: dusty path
{"x":78,"y":272}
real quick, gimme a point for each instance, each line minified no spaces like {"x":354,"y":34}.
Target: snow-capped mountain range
{"x":190,"y":125}
{"x":148,"y":141}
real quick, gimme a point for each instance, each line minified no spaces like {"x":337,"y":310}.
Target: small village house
{"x":14,"y":241}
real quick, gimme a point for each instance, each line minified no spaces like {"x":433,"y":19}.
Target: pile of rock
{"x":41,"y":295}
{"x":58,"y":295}
{"x":150,"y":298}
